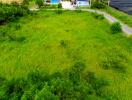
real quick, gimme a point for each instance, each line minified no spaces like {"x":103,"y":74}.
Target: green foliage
{"x":50,"y":6}
{"x":98,"y":5}
{"x":17,"y":26}
{"x":10,"y":12}
{"x":40,"y":3}
{"x":59,"y":5}
{"x":116,"y":28}
{"x":49,"y":87}
{"x":59,"y":11}
{"x":115,"y":61}
{"x":127,"y":19}
{"x":13,"y":89}
{"x":63,"y":43}
{"x":3,"y":32}
{"x":97,"y":16}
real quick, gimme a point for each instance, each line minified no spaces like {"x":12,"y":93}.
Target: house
{"x":76,"y":2}
{"x":83,"y":2}
{"x":123,"y":5}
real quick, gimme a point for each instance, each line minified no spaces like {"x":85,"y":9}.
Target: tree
{"x":40,"y":2}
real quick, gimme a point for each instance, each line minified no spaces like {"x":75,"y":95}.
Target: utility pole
{"x":108,"y":2}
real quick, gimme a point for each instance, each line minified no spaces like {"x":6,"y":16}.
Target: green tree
{"x":40,"y":2}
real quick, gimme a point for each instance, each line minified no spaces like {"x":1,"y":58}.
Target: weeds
{"x":115,"y":61}
{"x":38,"y":85}
{"x":63,"y":43}
{"x":97,"y":16}
{"x":115,"y":28}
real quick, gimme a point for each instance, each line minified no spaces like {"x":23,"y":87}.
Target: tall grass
{"x":72,"y":50}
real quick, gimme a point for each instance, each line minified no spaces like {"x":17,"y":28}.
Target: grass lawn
{"x":52,"y":41}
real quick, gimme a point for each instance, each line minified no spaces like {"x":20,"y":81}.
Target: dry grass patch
{"x":9,"y":1}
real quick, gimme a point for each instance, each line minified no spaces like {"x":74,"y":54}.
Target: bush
{"x":116,"y":28}
{"x":98,"y":16}
{"x":96,"y":83}
{"x":3,"y":32}
{"x":98,"y":5}
{"x":13,"y":89}
{"x":57,"y":86}
{"x":64,"y":43}
{"x":59,"y":5}
{"x":11,"y":12}
{"x":40,"y":2}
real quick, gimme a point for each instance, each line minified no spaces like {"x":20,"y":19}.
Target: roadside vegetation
{"x":127,"y":19}
{"x":103,"y":6}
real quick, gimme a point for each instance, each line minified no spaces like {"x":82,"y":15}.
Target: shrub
{"x":46,"y":94}
{"x":20,"y":39}
{"x":10,"y":12}
{"x":96,"y":83}
{"x":3,"y":32}
{"x":40,"y":2}
{"x":97,"y":16}
{"x":56,"y":86}
{"x":98,"y":5}
{"x":14,"y":88}
{"x":2,"y":79}
{"x":115,"y":60}
{"x":16,"y":26}
{"x":114,"y":64}
{"x":59,"y":5}
{"x":115,"y":28}
{"x":79,"y":66}
{"x":63,"y":43}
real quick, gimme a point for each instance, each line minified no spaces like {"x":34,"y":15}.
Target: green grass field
{"x":53,"y":41}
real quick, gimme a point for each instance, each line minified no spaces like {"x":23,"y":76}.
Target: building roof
{"x":123,"y":5}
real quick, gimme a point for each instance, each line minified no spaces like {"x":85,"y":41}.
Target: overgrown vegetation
{"x":127,"y":19}
{"x":40,"y":3}
{"x":62,"y":56}
{"x":98,"y":5}
{"x":69,"y":84}
{"x":11,"y":12}
{"x":98,"y":16}
{"x":59,"y":5}
{"x":116,"y":28}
